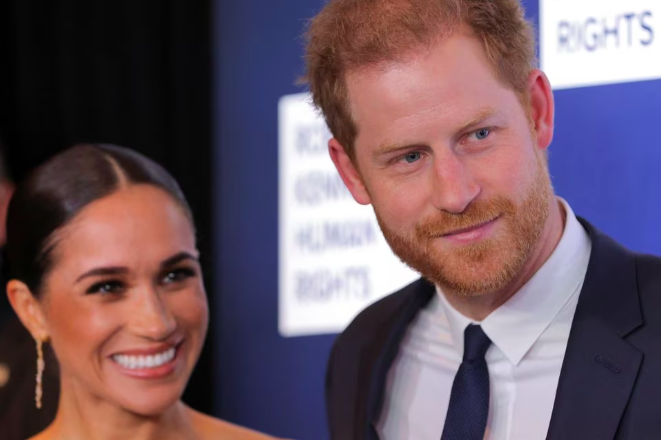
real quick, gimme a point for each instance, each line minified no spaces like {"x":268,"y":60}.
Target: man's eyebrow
{"x":387,"y":148}
{"x":480,"y":116}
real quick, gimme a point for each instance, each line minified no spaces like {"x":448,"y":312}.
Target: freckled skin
{"x":442,"y":144}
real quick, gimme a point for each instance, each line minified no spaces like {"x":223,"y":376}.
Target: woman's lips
{"x":148,"y":363}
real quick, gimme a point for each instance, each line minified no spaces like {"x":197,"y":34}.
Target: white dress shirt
{"x":529,"y":336}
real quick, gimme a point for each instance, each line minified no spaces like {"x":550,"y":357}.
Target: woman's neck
{"x":82,"y":416}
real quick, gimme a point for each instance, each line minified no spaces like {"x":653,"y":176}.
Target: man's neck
{"x":479,"y":307}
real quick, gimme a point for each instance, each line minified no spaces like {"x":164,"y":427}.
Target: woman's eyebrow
{"x":111,"y":270}
{"x":181,"y":256}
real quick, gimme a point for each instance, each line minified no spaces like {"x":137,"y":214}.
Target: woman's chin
{"x":150,"y":404}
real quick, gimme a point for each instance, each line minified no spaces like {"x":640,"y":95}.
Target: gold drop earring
{"x":38,"y":392}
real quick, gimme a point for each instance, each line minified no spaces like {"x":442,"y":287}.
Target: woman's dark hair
{"x":59,"y":189}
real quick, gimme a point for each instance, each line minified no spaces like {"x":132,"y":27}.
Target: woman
{"x":102,"y":248}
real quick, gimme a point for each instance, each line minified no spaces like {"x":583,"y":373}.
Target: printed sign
{"x":593,"y":42}
{"x":333,"y":259}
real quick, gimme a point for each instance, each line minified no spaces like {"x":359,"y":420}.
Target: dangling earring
{"x":38,"y":392}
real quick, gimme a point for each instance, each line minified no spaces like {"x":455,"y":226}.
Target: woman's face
{"x":124,"y":304}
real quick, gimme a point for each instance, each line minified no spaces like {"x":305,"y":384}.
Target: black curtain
{"x":132,"y":73}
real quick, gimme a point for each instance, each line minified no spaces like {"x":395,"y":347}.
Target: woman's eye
{"x":482,"y":133}
{"x":412,"y":157}
{"x":106,"y":287}
{"x":177,"y":275}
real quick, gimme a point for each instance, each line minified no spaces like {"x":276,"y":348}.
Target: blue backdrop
{"x":605,"y":160}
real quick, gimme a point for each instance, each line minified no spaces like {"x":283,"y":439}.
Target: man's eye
{"x":412,"y":157}
{"x":106,"y":287}
{"x":176,"y":275}
{"x":482,"y":133}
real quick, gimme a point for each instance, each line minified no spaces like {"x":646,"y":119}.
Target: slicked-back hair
{"x":55,"y":192}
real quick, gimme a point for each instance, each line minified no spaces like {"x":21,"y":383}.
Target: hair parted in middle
{"x":351,"y":34}
{"x":56,"y":191}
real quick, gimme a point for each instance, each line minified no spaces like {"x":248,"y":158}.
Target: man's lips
{"x":469,"y":228}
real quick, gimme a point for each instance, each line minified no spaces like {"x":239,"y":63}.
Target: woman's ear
{"x":29,"y":309}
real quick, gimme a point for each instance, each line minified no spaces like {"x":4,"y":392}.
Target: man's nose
{"x":454,"y":187}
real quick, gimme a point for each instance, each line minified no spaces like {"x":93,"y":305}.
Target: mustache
{"x":477,"y":213}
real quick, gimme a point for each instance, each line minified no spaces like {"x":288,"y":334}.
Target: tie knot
{"x":476,"y":343}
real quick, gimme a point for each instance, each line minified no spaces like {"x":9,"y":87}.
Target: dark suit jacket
{"x":610,"y":382}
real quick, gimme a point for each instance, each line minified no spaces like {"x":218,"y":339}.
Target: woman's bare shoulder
{"x":212,"y":428}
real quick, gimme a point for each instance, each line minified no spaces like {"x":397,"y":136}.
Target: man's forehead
{"x":409,"y":53}
{"x":399,"y":99}
{"x":453,"y":58}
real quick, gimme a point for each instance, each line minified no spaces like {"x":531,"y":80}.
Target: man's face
{"x":449,"y":160}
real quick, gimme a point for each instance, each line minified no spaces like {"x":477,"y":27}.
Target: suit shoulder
{"x":355,"y":352}
{"x":648,"y":261}
{"x":648,"y":274}
{"x":381,"y":313}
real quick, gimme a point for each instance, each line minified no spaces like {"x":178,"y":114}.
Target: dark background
{"x":132,"y":73}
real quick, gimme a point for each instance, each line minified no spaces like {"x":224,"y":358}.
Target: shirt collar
{"x":518,"y":323}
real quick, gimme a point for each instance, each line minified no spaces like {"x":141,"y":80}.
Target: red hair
{"x":351,"y":34}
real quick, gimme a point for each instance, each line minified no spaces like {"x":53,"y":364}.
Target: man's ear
{"x":29,"y":309}
{"x":349,"y":173}
{"x":542,"y":107}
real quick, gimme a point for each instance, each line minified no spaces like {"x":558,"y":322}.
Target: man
{"x":528,"y":323}
{"x":19,"y":417}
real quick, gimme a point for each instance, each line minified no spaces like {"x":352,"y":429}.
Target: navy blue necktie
{"x":469,"y":400}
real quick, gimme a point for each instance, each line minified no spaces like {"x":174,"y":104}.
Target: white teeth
{"x":138,"y":362}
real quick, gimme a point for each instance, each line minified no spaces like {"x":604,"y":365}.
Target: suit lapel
{"x":423,"y":294}
{"x":599,"y":372}
{"x":600,"y":367}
